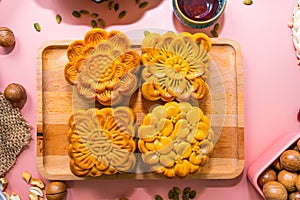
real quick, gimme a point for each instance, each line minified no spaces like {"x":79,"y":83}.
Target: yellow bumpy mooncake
{"x":101,"y":141}
{"x":175,"y":139}
{"x":176,"y":66}
{"x":102,"y":67}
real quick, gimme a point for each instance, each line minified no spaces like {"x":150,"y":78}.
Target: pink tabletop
{"x":271,"y":79}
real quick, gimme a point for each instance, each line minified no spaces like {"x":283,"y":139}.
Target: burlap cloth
{"x":14,"y":134}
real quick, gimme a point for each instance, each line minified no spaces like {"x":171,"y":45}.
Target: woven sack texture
{"x":14,"y":134}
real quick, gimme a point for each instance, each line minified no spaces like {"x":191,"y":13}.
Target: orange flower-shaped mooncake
{"x":102,"y":66}
{"x":101,"y":141}
{"x":175,"y":66}
{"x":175,"y":139}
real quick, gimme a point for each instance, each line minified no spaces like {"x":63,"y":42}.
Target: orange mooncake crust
{"x":102,"y":67}
{"x":101,"y":141}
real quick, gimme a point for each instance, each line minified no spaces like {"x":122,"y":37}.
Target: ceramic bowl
{"x":268,"y":157}
{"x":212,"y":11}
{"x":98,"y":1}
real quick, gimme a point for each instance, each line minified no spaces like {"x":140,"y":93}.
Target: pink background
{"x":271,"y":77}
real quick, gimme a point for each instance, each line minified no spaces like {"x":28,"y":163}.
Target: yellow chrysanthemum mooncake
{"x":176,"y":66}
{"x":101,"y":141}
{"x":175,"y":139}
{"x":102,"y":67}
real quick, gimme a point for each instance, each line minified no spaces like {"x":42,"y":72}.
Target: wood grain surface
{"x":224,"y":105}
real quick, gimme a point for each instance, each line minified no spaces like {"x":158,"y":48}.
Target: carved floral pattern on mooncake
{"x":176,"y":66}
{"x":102,"y":67}
{"x":175,"y":139}
{"x":101,"y":141}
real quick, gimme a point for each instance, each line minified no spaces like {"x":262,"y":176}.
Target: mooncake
{"x":102,"y":67}
{"x":175,"y":139}
{"x":176,"y":66}
{"x":101,"y":141}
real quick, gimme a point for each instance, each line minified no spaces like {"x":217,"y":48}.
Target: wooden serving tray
{"x":225,"y":107}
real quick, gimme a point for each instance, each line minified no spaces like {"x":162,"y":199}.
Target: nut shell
{"x":267,"y":175}
{"x":274,"y":190}
{"x":294,"y":196}
{"x":298,"y":183}
{"x":7,"y":37}
{"x":56,"y":190}
{"x":288,"y":180}
{"x":277,"y":165}
{"x":16,"y":94}
{"x":298,"y":144}
{"x":290,"y":160}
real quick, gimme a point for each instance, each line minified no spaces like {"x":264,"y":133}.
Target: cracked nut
{"x":26,"y":176}
{"x":36,"y":190}
{"x":33,"y":196}
{"x":3,"y":183}
{"x":56,"y":190}
{"x":14,"y":196}
{"x":37,"y":182}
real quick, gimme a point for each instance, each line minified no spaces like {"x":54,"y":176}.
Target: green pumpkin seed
{"x":186,"y":190}
{"x":110,"y":5}
{"x":185,"y":197}
{"x":37,"y":27}
{"x":143,"y":4}
{"x":137,"y":1}
{"x":122,"y":14}
{"x":76,"y":14}
{"x":214,"y":33}
{"x":157,"y":197}
{"x":177,"y":190}
{"x":116,"y":7}
{"x":192,"y":194}
{"x":58,"y":18}
{"x":94,"y":15}
{"x":217,"y":27}
{"x":101,"y":22}
{"x":93,"y":23}
{"x":176,"y":197}
{"x":247,"y":2}
{"x":84,"y":12}
{"x":171,"y":194}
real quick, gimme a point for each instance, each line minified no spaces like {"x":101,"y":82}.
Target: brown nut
{"x":274,"y":190}
{"x":288,"y":180}
{"x":298,"y":183}
{"x":277,"y":165}
{"x":290,"y":160}
{"x":56,"y":190}
{"x":294,"y":196}
{"x":298,"y":144}
{"x":16,"y":94}
{"x":7,"y":37}
{"x":267,"y":175}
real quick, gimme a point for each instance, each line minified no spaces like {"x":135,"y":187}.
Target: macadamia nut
{"x":56,"y":190}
